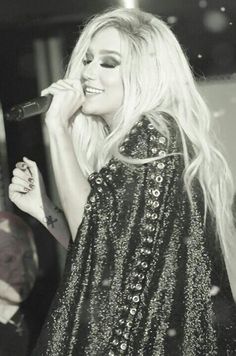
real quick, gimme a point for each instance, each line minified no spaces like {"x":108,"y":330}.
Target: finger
{"x":32,"y":165}
{"x":21,"y":165}
{"x":16,"y":188}
{"x":75,"y":83}
{"x":22,"y":183}
{"x":23,"y":174}
{"x":62,"y":86}
{"x":55,"y":89}
{"x":64,"y":83}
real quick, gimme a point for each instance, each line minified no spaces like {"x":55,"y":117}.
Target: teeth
{"x":93,"y":91}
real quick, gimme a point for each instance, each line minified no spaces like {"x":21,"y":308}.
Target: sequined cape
{"x":144,"y":276}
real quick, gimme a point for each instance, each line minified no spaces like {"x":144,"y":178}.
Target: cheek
{"x":115,"y":90}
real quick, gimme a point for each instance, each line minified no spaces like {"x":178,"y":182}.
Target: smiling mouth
{"x":92,"y":91}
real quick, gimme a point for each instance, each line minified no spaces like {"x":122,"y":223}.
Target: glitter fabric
{"x":144,"y":276}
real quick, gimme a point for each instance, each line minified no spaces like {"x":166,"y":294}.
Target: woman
{"x":145,"y":193}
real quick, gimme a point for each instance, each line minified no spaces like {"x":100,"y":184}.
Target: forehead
{"x":106,"y":39}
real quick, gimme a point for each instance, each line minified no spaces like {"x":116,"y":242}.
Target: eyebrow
{"x":106,"y":51}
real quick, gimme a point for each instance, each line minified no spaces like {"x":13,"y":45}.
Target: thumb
{"x":32,"y":166}
{"x":29,"y":162}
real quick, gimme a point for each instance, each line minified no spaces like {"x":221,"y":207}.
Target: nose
{"x":89,"y":71}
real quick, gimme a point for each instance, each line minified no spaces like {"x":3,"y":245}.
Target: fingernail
{"x":30,"y":180}
{"x":26,"y":189}
{"x":31,"y":186}
{"x":21,"y":165}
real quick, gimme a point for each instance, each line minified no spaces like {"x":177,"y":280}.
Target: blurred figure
{"x":18,"y":270}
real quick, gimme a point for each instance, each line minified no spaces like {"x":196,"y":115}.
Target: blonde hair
{"x":157,"y":79}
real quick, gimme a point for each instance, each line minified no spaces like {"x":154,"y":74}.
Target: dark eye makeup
{"x":105,"y":63}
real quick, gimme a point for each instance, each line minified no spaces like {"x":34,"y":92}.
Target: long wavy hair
{"x":157,"y":78}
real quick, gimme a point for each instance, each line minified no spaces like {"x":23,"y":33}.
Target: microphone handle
{"x":30,"y":108}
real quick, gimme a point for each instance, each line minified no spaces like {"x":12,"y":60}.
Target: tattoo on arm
{"x":49,"y":220}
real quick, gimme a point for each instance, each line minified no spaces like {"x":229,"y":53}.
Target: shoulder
{"x":150,"y":138}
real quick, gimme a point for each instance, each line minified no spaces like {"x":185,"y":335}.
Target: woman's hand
{"x":27,"y":190}
{"x":68,"y":96}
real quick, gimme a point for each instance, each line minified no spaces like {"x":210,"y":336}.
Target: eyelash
{"x":105,"y":65}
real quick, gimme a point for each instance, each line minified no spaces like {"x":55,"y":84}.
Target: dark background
{"x":206,"y":30}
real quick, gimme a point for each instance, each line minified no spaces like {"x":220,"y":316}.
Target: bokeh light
{"x":215,"y":21}
{"x":214,"y":291}
{"x":172,"y":332}
{"x":172,"y":20}
{"x":203,"y":4}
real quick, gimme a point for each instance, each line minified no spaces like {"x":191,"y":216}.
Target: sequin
{"x":115,"y":342}
{"x":162,"y":153}
{"x":144,"y":265}
{"x":126,"y":336}
{"x":132,"y":311}
{"x":123,"y":346}
{"x":155,"y":204}
{"x":136,"y":299}
{"x":162,"y":140}
{"x":138,"y":286}
{"x":159,"y":179}
{"x":88,"y":207}
{"x":113,"y":167}
{"x":91,"y":177}
{"x":141,"y":276}
{"x":129,"y":324}
{"x":150,"y":240}
{"x":98,"y":180}
{"x":156,"y":193}
{"x":92,"y":199}
{"x":161,"y":165}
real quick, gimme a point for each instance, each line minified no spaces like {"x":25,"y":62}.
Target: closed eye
{"x":114,"y":64}
{"x":109,"y":65}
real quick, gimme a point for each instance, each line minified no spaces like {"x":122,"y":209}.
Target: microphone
{"x":30,"y":108}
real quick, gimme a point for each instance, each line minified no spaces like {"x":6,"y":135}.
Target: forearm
{"x":73,"y":187}
{"x":54,"y":220}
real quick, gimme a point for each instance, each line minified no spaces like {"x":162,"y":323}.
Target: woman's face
{"x":101,"y":76}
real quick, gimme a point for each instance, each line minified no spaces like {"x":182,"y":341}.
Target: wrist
{"x":45,"y":206}
{"x":56,"y":126}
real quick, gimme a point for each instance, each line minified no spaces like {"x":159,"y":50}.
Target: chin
{"x":10,"y":293}
{"x":87,"y":111}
